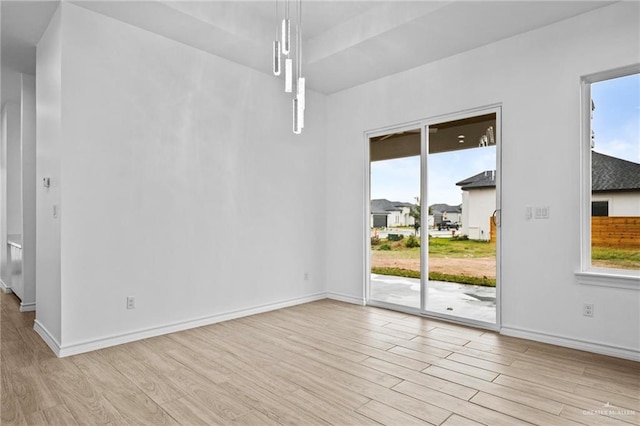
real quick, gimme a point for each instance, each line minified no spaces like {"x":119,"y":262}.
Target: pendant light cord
{"x":299,"y":38}
{"x":277,"y":27}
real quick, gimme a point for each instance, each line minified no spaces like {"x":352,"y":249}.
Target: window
{"x":611,"y":175}
{"x":599,"y":208}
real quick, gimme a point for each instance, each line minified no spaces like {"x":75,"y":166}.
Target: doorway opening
{"x":434,"y":218}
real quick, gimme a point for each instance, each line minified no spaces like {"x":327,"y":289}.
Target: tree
{"x":416,"y":214}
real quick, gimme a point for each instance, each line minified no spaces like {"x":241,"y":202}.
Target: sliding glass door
{"x":394,"y":219}
{"x":433,"y":218}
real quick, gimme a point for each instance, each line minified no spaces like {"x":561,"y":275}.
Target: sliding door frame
{"x":412,"y":125}
{"x":423,"y":125}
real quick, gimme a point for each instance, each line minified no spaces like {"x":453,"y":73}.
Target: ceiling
{"x":346,"y":43}
{"x":448,"y":136}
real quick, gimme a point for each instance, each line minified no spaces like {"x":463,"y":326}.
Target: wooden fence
{"x":492,"y":230}
{"x":623,"y":231}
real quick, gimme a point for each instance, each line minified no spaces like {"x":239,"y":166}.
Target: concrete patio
{"x":460,"y":300}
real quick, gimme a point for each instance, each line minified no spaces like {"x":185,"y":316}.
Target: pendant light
{"x":292,"y":60}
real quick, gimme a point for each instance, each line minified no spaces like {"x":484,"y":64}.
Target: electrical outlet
{"x":131,"y":302}
{"x":306,"y":276}
{"x":542,"y":212}
{"x":528,"y":213}
{"x":587,"y":310}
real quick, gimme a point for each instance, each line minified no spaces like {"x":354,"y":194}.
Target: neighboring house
{"x":615,"y":186}
{"x":615,"y":189}
{"x":386,"y":214}
{"x":440,"y":212}
{"x":478,"y":204}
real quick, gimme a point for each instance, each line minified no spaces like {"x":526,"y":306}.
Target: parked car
{"x":447,"y":224}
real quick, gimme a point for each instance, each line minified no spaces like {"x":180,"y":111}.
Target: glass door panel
{"x":461,"y":226}
{"x":395,"y":253}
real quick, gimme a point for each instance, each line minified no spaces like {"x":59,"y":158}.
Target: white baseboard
{"x":47,"y":337}
{"x":568,"y":342}
{"x":345,"y":298}
{"x":27,"y":307}
{"x":5,"y":288}
{"x":95,"y":344}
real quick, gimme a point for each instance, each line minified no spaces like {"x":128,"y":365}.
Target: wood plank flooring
{"x":315,"y":364}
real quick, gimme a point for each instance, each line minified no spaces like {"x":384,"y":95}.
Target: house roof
{"x":386,"y":206}
{"x":608,"y":174}
{"x":441,"y":208}
{"x":613,"y":174}
{"x":486,"y":179}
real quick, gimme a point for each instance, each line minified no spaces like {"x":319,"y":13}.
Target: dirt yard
{"x":479,"y":267}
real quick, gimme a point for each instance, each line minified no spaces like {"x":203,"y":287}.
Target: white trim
{"x":609,"y":278}
{"x":467,"y":322}
{"x":568,"y":342}
{"x":346,"y":298}
{"x":5,"y":288}
{"x":412,"y":125}
{"x":27,"y":307}
{"x":47,"y":337}
{"x":423,"y":125}
{"x":589,"y":275}
{"x":118,"y":339}
{"x":496,"y":109}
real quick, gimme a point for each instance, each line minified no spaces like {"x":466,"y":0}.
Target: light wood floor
{"x":320,"y":363}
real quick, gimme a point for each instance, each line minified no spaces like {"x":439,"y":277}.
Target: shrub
{"x":385,"y":247}
{"x":375,"y":240}
{"x":412,"y":242}
{"x":462,"y":237}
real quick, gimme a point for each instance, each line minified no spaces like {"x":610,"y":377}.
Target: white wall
{"x":10,"y":90}
{"x":161,"y":144}
{"x":9,"y":94}
{"x":28,"y":189}
{"x":14,"y":176}
{"x":620,"y":203}
{"x":48,"y":151}
{"x":536,"y":78}
{"x":479,"y":205}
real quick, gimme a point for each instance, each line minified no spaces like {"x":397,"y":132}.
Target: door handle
{"x":494,"y":217}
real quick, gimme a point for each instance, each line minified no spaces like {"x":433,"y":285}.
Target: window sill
{"x":610,"y":278}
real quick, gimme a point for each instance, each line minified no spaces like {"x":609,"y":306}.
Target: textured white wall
{"x":176,"y":165}
{"x":11,"y":134}
{"x":9,"y":94}
{"x":536,"y":78}
{"x":9,"y":182}
{"x":48,"y":151}
{"x":28,"y":190}
{"x":480,"y":206}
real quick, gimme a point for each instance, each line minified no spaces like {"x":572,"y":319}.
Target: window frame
{"x":588,"y":274}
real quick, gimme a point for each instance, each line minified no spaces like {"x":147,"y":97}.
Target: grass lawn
{"x":439,"y":247}
{"x":437,"y":276}
{"x":447,"y":248}
{"x":614,"y":257}
{"x":394,"y":258}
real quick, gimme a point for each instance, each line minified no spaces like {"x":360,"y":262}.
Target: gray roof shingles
{"x":613,"y":174}
{"x":385,"y":206}
{"x":608,"y":174}
{"x":486,"y":179}
{"x":445,"y":208}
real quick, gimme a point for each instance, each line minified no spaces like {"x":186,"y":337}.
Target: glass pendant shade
{"x":286,"y":36}
{"x":276,"y":58}
{"x":288,"y":75}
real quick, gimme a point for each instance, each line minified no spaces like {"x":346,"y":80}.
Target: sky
{"x":616,"y":119}
{"x":616,"y":122}
{"x":399,"y":179}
